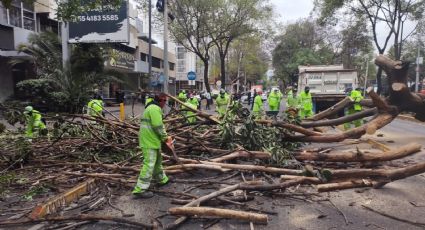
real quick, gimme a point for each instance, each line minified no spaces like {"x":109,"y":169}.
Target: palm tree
{"x":76,"y":79}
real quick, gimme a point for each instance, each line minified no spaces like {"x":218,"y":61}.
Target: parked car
{"x":244,"y":97}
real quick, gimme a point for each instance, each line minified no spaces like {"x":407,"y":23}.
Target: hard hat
{"x":28,"y":109}
{"x":222,"y":91}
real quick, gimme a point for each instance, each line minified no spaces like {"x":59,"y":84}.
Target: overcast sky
{"x":292,"y":10}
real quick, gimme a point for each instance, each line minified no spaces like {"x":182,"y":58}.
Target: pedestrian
{"x":208,"y":98}
{"x":95,"y":107}
{"x":151,"y":135}
{"x":254,"y":94}
{"x":257,"y":110}
{"x":221,"y":102}
{"x":35,"y":125}
{"x":355,"y":96}
{"x":274,"y":100}
{"x":306,"y":103}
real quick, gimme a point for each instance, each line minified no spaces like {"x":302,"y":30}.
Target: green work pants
{"x":152,"y":168}
{"x":357,"y":123}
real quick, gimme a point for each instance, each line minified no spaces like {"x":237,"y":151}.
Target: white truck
{"x":328,"y":83}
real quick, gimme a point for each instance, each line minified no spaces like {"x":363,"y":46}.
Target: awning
{"x":13,"y":53}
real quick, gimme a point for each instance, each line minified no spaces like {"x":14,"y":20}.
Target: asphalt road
{"x":334,"y":210}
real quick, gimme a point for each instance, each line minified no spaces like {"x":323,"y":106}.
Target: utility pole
{"x":150,"y":40}
{"x":65,"y":46}
{"x":165,"y":47}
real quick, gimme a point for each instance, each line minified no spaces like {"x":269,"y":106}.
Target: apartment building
{"x":131,"y":59}
{"x":188,"y":62}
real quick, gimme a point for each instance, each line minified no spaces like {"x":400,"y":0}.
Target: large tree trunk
{"x":223,"y":70}
{"x":379,"y":80}
{"x":206,"y":81}
{"x":399,"y":93}
{"x":359,"y":156}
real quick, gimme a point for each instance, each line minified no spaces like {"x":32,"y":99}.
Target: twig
{"x":419,"y":224}
{"x":82,"y":217}
{"x":339,"y":210}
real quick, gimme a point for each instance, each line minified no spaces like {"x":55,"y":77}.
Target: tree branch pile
{"x":82,"y":147}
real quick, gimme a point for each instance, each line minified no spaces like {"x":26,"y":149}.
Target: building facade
{"x":188,"y":62}
{"x":130,"y":59}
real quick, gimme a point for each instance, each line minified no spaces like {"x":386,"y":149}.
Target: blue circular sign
{"x":191,"y":75}
{"x":161,"y":78}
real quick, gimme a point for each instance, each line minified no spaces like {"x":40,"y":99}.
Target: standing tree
{"x":300,"y":44}
{"x":391,"y":14}
{"x":190,"y":29}
{"x":247,"y":59}
{"x":232,"y":19}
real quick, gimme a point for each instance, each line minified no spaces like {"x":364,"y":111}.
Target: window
{"x":181,"y":51}
{"x":15,"y":16}
{"x":28,"y":20}
{"x":144,"y":57}
{"x":156,"y":62}
{"x":181,"y":66}
{"x":172,"y":65}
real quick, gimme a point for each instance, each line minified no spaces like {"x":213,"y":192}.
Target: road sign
{"x":420,"y":60}
{"x":161,"y":78}
{"x":191,"y":75}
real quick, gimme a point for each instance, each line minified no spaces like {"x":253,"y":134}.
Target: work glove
{"x":170,"y":142}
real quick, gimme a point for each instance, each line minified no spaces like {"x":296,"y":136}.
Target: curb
{"x":409,"y":118}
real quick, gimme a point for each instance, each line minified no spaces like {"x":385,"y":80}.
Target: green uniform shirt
{"x":194,"y":102}
{"x":258,"y":104}
{"x":274,"y":98}
{"x":152,"y":131}
{"x":221,"y":103}
{"x":182,"y":96}
{"x":356,"y":96}
{"x":95,"y":107}
{"x":306,"y":101}
{"x":33,"y":122}
{"x":293,"y":101}
{"x":189,"y":114}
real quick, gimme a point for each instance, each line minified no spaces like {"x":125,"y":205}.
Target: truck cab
{"x":328,"y":83}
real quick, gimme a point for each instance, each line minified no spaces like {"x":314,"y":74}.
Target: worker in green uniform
{"x":274,"y":100}
{"x":33,"y":122}
{"x":306,"y":103}
{"x":293,"y":102}
{"x":151,"y":135}
{"x":257,"y":109}
{"x":221,"y":102}
{"x":182,"y":96}
{"x":189,"y":115}
{"x":355,"y":96}
{"x":95,"y":107}
{"x":194,"y":101}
